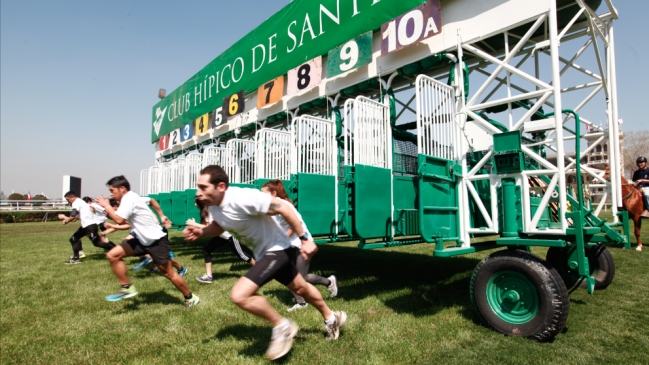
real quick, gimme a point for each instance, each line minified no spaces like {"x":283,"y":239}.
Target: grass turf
{"x":404,"y":307}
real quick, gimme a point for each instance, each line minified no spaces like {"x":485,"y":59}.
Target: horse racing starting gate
{"x":398,"y":150}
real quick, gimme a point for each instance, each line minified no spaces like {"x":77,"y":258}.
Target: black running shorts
{"x":278,"y":265}
{"x":159,"y":250}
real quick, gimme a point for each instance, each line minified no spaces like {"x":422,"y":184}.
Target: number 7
{"x":269,"y":86}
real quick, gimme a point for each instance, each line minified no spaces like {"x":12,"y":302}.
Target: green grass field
{"x":404,"y":307}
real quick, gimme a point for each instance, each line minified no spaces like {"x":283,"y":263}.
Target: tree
{"x":38,"y":197}
{"x":16,"y":196}
{"x":634,"y":145}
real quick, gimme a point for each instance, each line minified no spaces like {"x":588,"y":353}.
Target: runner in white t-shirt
{"x":247,"y":214}
{"x":148,"y":239}
{"x":82,"y":211}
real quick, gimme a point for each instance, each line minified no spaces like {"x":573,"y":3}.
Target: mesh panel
{"x":404,"y":158}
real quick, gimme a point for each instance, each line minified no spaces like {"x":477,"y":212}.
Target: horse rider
{"x":641,"y":180}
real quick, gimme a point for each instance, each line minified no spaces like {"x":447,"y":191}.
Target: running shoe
{"x":333,"y":330}
{"x":154,"y":269}
{"x":142,"y":264}
{"x":281,"y":341}
{"x":205,"y":279}
{"x":333,"y":286}
{"x":192,"y":301}
{"x":182,"y":272}
{"x":73,"y":261}
{"x":82,"y":255}
{"x":122,"y":293}
{"x":297,"y":306}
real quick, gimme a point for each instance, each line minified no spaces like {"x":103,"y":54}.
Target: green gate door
{"x":438,"y":200}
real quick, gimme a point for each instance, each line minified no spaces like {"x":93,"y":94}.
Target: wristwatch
{"x":305,"y":236}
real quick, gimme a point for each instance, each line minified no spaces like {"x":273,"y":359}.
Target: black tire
{"x":600,"y":263}
{"x":531,"y":280}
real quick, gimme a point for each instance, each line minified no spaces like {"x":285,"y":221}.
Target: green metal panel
{"x":316,"y":202}
{"x":372,"y":200}
{"x":164,"y":199}
{"x":156,"y":198}
{"x":438,"y":198}
{"x":346,"y":201}
{"x":192,"y":210}
{"x":251,"y":186}
{"x":406,"y":204}
{"x":178,"y":208}
{"x":544,"y":222}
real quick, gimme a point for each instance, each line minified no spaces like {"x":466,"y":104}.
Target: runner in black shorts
{"x":148,"y":238}
{"x":84,"y":213}
{"x":246,"y":214}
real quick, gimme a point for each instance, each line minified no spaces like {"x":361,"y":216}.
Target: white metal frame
{"x":193,"y":165}
{"x":372,"y":133}
{"x":314,"y":150}
{"x":241,"y":162}
{"x":274,"y":154}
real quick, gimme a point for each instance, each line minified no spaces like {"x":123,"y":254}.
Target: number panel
{"x":420,"y":23}
{"x":217,"y":117}
{"x":163,"y":143}
{"x":233,"y":104}
{"x":270,"y":92}
{"x":304,"y":77}
{"x":202,"y":124}
{"x":186,"y":132}
{"x":351,"y":55}
{"x":174,"y":137}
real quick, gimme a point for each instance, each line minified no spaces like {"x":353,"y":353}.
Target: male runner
{"x":246,"y":213}
{"x":148,"y":238}
{"x":81,"y":211}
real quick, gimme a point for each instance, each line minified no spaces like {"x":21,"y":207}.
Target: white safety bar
{"x":192,"y":170}
{"x":274,"y":149}
{"x":348,"y":136}
{"x":372,"y":133}
{"x":436,"y":128}
{"x":215,"y":156}
{"x":315,"y":148}
{"x":177,"y":171}
{"x":144,"y":182}
{"x":154,"y":179}
{"x":241,"y":162}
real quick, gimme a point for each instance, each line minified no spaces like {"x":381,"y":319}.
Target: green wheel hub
{"x":512,"y":297}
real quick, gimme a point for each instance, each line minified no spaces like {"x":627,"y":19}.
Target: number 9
{"x":349,"y":52}
{"x":233,"y":106}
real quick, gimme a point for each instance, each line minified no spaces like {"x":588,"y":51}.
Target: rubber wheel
{"x":600,"y":263}
{"x":518,"y":294}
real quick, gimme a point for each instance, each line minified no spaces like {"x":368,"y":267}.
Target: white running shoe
{"x":639,"y":248}
{"x":297,"y":306}
{"x":333,"y":286}
{"x":333,"y":330}
{"x":281,"y":341}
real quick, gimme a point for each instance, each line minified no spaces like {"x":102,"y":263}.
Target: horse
{"x":632,"y":202}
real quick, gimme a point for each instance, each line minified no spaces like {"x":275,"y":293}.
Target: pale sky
{"x":78,"y":80}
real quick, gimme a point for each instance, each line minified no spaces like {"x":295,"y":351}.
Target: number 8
{"x":349,"y":52}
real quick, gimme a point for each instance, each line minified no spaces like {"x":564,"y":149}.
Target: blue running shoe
{"x":182,"y":272}
{"x":122,"y":293}
{"x":142,"y":264}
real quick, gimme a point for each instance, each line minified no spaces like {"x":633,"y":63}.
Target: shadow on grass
{"x":159,"y":296}
{"x":257,"y":338}
{"x":424,"y":285}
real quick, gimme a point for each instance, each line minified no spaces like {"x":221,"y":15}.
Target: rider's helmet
{"x":640,"y":159}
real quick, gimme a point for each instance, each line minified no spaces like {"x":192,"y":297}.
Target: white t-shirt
{"x":225,"y":235}
{"x":99,"y":216}
{"x":295,"y":240}
{"x":85,"y":214}
{"x":243,"y":213}
{"x":143,"y":223}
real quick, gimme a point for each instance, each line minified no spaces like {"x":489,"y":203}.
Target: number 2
{"x":174,"y":137}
